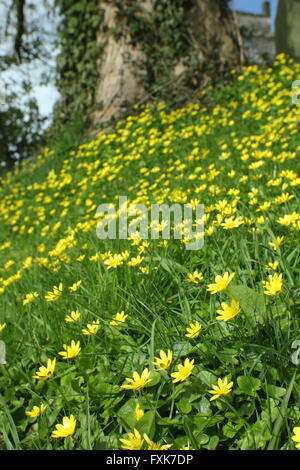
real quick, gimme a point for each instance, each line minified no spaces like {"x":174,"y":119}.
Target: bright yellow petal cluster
{"x":164,"y":361}
{"x":55,"y":294}
{"x":119,"y":318}
{"x":221,"y":283}
{"x":274,"y":284}
{"x":91,"y":329}
{"x":229,"y":311}
{"x":193,"y":330}
{"x":223,"y":388}
{"x":45,"y":373}
{"x":138,"y":381}
{"x":296,"y":436}
{"x":184,"y":371}
{"x":70,"y":351}
{"x":36,"y":411}
{"x":134,"y":441}
{"x":66,"y":429}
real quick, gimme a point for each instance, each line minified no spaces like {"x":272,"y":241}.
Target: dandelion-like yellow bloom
{"x":45,"y":373}
{"x":279,"y":241}
{"x":66,"y":429}
{"x":55,"y":294}
{"x":272,"y":266}
{"x":36,"y":411}
{"x":221,"y":283}
{"x":71,"y":351}
{"x":193,"y":330}
{"x":30,"y":297}
{"x":195,"y":277}
{"x":296,"y":436}
{"x":91,"y":329}
{"x":164,"y":361}
{"x":75,"y":286}
{"x":228,"y":311}
{"x":184,"y":371}
{"x":138,"y":412}
{"x":156,"y":446}
{"x":119,"y":318}
{"x":223,"y":388}
{"x":74,"y":316}
{"x":134,"y":441}
{"x":274,"y":285}
{"x":138,"y":381}
{"x":2,"y":327}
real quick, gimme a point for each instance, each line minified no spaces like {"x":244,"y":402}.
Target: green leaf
{"x":252,"y":303}
{"x":184,"y":405}
{"x":248,"y":385}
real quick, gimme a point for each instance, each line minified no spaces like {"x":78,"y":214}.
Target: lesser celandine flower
{"x":138,"y":412}
{"x":274,"y":285}
{"x":296,"y":436}
{"x":223,"y":388}
{"x":195,"y":277}
{"x":184,"y":371}
{"x":221,"y":283}
{"x":279,"y":241}
{"x":91,"y":329}
{"x":36,"y":411}
{"x":74,"y":316}
{"x":156,"y":446}
{"x":134,"y":441}
{"x":55,"y":294}
{"x":119,"y":318}
{"x":30,"y":297}
{"x":272,"y":266}
{"x":2,"y":327}
{"x":71,"y":351}
{"x":75,"y":286}
{"x":137,"y":381}
{"x":229,"y":311}
{"x":164,"y":361}
{"x":45,"y":373}
{"x":193,"y":330}
{"x":66,"y":429}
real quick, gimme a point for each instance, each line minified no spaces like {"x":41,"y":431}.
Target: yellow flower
{"x":153,"y":446}
{"x":134,"y":441}
{"x":136,"y":261}
{"x":75,"y":286}
{"x":296,"y":436}
{"x":273,"y":266}
{"x":36,"y":411}
{"x":274,"y":285}
{"x":279,"y":241}
{"x":66,"y":429}
{"x":223,"y":388}
{"x":2,"y":327}
{"x":45,"y":373}
{"x":55,"y":294}
{"x":30,"y":297}
{"x":91,"y":329}
{"x":193,"y":330}
{"x":195,"y":277}
{"x":74,"y":316}
{"x":118,"y":318}
{"x":184,"y":371}
{"x":71,"y":351}
{"x":229,"y":311}
{"x":114,"y":261}
{"x":221,"y":283}
{"x":138,"y":413}
{"x":164,"y":361}
{"x":138,"y":381}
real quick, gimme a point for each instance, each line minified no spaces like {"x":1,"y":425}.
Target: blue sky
{"x":254,"y":6}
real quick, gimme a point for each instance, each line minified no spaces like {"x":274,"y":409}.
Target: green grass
{"x":242,"y":149}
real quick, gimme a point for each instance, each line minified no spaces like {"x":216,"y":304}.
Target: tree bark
{"x":126,"y":74}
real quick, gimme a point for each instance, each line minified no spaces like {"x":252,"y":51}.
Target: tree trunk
{"x":160,"y":49}
{"x":287,"y":28}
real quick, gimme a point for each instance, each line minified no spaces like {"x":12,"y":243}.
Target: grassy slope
{"x":237,"y":159}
